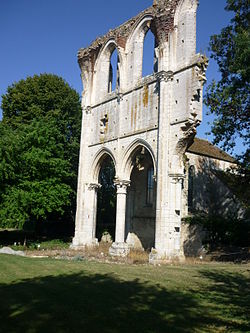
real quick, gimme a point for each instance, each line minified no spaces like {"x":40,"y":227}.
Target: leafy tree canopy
{"x":39,"y":144}
{"x":228,"y":99}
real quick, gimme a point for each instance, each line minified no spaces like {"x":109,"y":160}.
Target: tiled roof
{"x":206,"y":148}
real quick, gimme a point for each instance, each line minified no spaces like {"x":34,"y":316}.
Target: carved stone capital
{"x":176,"y":178}
{"x":164,"y":76}
{"x":94,"y":186}
{"x":87,"y":109}
{"x":121,"y":185}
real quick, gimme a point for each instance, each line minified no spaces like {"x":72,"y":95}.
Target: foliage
{"x":228,"y":99}
{"x":55,"y":244}
{"x":39,"y":142}
{"x":223,"y":231}
{"x":236,"y":182}
{"x":54,"y":235}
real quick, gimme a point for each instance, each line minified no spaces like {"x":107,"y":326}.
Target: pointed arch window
{"x":114,"y":77}
{"x":149,"y":62}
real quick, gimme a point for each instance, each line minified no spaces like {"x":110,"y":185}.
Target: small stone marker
{"x":8,"y":250}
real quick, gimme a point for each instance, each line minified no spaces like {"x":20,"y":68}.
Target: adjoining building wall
{"x":205,"y":194}
{"x":209,"y":194}
{"x":158,"y":113}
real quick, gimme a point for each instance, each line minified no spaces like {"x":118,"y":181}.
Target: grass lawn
{"x":48,"y":295}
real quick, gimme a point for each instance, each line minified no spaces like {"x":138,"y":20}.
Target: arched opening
{"x":114,"y":71}
{"x":149,"y":63}
{"x":106,"y":72}
{"x":141,"y":201}
{"x":106,"y":199}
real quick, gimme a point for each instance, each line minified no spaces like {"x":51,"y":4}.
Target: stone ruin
{"x":144,"y":127}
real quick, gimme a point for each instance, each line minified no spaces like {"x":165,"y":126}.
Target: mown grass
{"x":48,"y":295}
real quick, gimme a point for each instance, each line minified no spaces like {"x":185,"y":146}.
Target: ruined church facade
{"x":144,"y":127}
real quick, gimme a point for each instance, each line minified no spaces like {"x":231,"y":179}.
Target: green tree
{"x":106,"y":203}
{"x":39,"y":145}
{"x":228,"y":99}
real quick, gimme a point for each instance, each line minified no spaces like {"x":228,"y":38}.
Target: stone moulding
{"x":162,"y":13}
{"x":200,"y":63}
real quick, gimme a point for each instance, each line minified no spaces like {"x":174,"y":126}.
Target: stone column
{"x":94,"y":188}
{"x":119,"y":247}
{"x":120,"y":212}
{"x":83,"y":179}
{"x":87,"y":229}
{"x":162,"y":197}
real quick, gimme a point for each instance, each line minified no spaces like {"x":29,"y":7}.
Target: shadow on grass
{"x":230,"y":294}
{"x":97,"y":303}
{"x":103,"y":303}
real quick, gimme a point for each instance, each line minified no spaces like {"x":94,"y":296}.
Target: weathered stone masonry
{"x":157,"y":114}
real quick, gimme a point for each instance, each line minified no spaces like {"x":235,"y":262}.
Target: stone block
{"x":119,"y":249}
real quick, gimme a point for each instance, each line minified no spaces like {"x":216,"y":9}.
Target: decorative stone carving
{"x":88,"y":110}
{"x":94,"y":187}
{"x":189,"y":127}
{"x":104,"y":124}
{"x":164,"y":76}
{"x":202,"y":64}
{"x":176,"y":178}
{"x":122,"y":185}
{"x":188,"y":134}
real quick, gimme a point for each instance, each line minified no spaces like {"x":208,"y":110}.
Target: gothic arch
{"x":102,"y":69}
{"x":139,"y":26}
{"x":97,"y":162}
{"x":134,"y":48}
{"x":127,"y":164}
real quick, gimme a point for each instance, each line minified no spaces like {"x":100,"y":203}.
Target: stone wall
{"x":158,"y":113}
{"x":192,"y":237}
{"x":210,"y":194}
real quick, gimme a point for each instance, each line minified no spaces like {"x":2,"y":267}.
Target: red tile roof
{"x":206,"y":148}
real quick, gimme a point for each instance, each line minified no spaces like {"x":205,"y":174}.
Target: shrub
{"x":223,"y":231}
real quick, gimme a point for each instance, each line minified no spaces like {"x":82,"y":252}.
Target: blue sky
{"x":40,"y":36}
